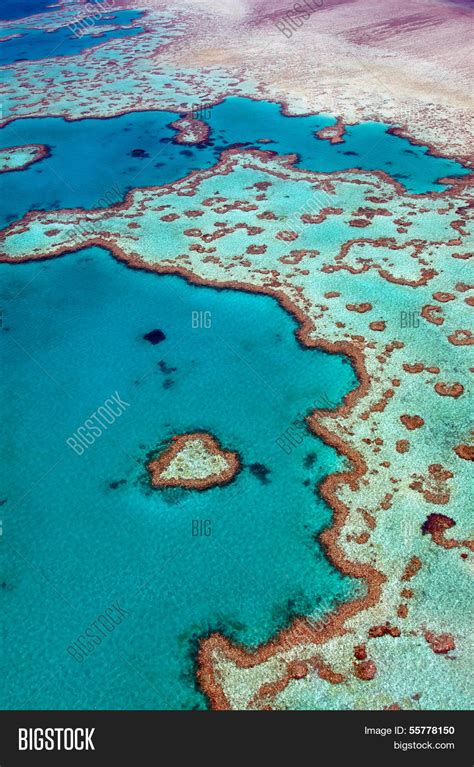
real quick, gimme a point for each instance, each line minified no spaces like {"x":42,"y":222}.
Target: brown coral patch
{"x":256,"y":250}
{"x":190,"y":130}
{"x":402,"y":611}
{"x":157,"y":466}
{"x":466,"y":452}
{"x":359,"y":223}
{"x":318,"y":218}
{"x":413,"y":566}
{"x":378,"y":325}
{"x":402,"y":446}
{"x":415,"y":367}
{"x":433,"y":487}
{"x":443,"y":297}
{"x":332,"y":133}
{"x":359,"y":308}
{"x":365,"y":670}
{"x":432,"y":314}
{"x":412,"y":422}
{"x":440,"y":643}
{"x":449,"y":390}
{"x":383,"y":630}
{"x":286,"y":235}
{"x":297,"y":669}
{"x":461,"y":337}
{"x":436,"y":526}
{"x":360,"y":652}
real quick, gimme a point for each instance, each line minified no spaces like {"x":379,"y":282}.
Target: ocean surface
{"x":81,"y":532}
{"x":69,"y":178}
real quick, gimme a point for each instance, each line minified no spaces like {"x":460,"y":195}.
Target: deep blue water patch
{"x":37,"y":44}
{"x":82,"y":532}
{"x":19,"y":9}
{"x":94,"y":162}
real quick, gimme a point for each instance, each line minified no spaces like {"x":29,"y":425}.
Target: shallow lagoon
{"x":69,"y":178}
{"x":37,"y":44}
{"x":81,"y":532}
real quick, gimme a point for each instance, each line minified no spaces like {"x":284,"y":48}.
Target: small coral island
{"x":194,"y":461}
{"x":19,"y":157}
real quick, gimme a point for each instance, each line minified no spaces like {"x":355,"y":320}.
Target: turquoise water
{"x":83,"y":531}
{"x":69,"y":177}
{"x":37,"y":44}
